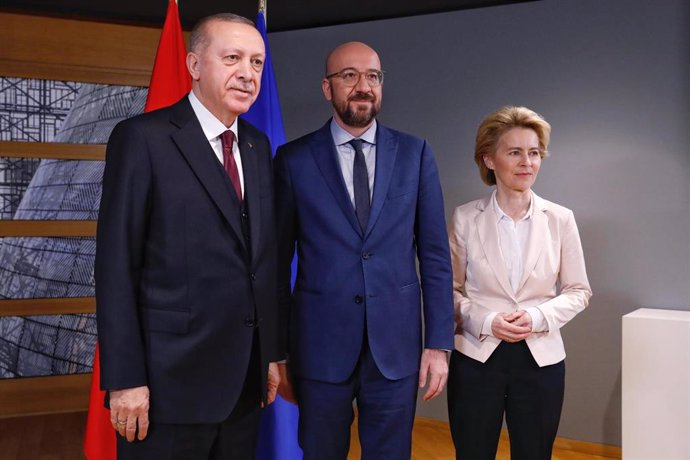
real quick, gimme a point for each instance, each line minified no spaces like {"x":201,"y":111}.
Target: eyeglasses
{"x":350,"y":76}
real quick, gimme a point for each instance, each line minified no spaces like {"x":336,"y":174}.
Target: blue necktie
{"x":360,"y":183}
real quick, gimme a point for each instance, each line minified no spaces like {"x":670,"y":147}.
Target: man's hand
{"x":285,"y":389}
{"x":129,"y":410}
{"x":434,"y":368}
{"x":273,"y":382}
{"x":512,"y":327}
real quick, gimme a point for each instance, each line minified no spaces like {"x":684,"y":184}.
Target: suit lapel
{"x":202,"y":160}
{"x":250,"y":169}
{"x":487,"y":230}
{"x":538,"y":234}
{"x":326,"y":158}
{"x":386,"y":152}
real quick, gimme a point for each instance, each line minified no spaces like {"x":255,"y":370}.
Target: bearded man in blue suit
{"x":361,"y":203}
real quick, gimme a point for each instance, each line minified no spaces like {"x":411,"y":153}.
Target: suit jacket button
{"x":249,"y":322}
{"x":358,"y":299}
{"x":365,"y":255}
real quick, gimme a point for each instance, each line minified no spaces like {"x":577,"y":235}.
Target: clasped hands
{"x":512,"y":327}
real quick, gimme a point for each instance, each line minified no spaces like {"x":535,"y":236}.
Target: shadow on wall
{"x":612,"y":415}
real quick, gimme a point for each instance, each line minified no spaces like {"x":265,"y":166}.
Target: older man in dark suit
{"x":186,"y":262}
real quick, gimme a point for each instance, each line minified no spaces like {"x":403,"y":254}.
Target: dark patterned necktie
{"x":360,"y":184}
{"x":227,"y":139}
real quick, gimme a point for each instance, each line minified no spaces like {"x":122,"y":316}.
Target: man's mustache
{"x":362,"y":97}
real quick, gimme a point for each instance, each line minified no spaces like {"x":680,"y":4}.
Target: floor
{"x":60,"y":437}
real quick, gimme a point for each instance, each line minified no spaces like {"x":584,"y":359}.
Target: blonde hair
{"x":497,"y":124}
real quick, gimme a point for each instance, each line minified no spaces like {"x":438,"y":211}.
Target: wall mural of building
{"x":32,"y":267}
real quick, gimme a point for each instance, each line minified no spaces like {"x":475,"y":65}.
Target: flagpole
{"x":263,"y":9}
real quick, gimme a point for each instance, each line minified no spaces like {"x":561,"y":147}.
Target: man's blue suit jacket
{"x":349,"y":281}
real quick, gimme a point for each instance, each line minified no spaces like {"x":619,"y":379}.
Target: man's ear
{"x":326,"y":88}
{"x":193,"y":65}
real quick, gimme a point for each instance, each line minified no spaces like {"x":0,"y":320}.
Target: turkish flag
{"x":170,"y":81}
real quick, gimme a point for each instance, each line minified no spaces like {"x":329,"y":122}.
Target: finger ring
{"x":122,"y":422}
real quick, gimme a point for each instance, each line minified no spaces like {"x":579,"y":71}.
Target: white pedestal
{"x":656,"y":385}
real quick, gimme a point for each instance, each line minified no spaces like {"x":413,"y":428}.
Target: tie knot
{"x":227,"y":138}
{"x":356,"y":144}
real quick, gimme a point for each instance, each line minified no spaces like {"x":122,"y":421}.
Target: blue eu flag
{"x":278,"y":432}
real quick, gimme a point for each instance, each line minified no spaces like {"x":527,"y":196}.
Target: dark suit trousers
{"x":386,"y":414}
{"x":232,"y":439}
{"x":510,"y":382}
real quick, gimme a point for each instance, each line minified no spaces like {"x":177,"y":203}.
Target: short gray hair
{"x":198,"y":38}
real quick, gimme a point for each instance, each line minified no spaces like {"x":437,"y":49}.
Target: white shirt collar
{"x":501,"y":215}
{"x":211,"y":125}
{"x":340,"y":136}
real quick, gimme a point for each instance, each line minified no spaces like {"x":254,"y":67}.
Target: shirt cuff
{"x":538,"y":321}
{"x":486,"y":327}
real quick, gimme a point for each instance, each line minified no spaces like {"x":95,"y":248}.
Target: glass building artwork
{"x":33,"y":267}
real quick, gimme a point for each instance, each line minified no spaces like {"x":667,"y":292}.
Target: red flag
{"x":99,"y":439}
{"x":170,"y":80}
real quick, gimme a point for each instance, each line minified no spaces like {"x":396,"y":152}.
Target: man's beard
{"x":357,"y":118}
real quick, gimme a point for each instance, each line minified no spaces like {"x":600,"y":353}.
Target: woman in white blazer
{"x":519,"y":276}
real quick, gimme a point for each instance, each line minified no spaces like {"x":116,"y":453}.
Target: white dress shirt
{"x":513,"y":238}
{"x":346,"y":155}
{"x":213,"y":128}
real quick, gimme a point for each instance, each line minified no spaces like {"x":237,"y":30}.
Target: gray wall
{"x":612,"y":77}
